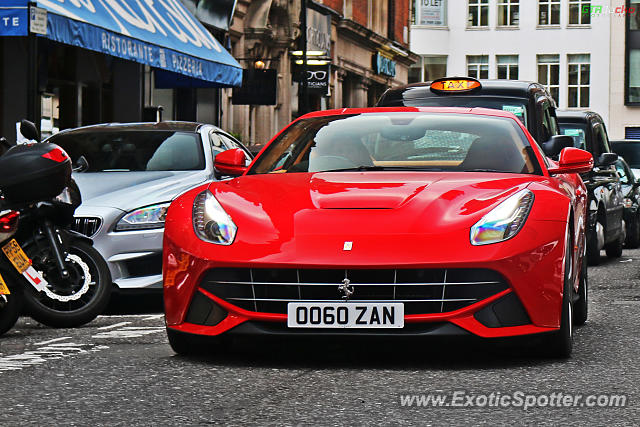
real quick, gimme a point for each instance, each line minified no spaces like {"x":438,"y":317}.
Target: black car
{"x":605,"y":228}
{"x":631,"y":192}
{"x":630,"y":150}
{"x":529,"y":101}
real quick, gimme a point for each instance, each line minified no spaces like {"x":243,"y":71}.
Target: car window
{"x":622,"y":173}
{"x":517,"y":106}
{"x":601,"y":145}
{"x":400,"y":141}
{"x":630,"y":151}
{"x":577,"y":131}
{"x":134,"y":150}
{"x":548,"y":125}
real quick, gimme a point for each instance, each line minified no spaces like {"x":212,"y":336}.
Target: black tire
{"x":194,"y":345}
{"x":593,"y":253}
{"x":560,"y":344}
{"x":58,"y":314}
{"x":614,"y":249}
{"x":633,"y":233}
{"x":581,"y":305}
{"x":10,"y":305}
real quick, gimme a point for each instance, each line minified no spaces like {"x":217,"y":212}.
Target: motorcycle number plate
{"x":16,"y":255}
{"x":4,"y":290}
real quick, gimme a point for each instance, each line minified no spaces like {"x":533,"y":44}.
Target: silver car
{"x":128,"y":175}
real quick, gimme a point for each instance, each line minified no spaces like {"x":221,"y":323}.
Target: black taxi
{"x":529,"y":101}
{"x":606,"y":229}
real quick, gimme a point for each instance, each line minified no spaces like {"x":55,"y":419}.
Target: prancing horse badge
{"x":347,"y":246}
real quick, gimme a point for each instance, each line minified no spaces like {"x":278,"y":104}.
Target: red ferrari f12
{"x":383,"y":221}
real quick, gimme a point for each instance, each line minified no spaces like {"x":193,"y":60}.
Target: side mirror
{"x":231,"y":162}
{"x":81,"y":165}
{"x":607,"y":159}
{"x":29,"y":130}
{"x":556,"y":144}
{"x":573,"y":160}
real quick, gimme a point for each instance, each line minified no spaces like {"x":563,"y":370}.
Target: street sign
{"x":38,"y":20}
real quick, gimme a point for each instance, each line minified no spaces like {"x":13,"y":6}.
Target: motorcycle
{"x":70,"y":281}
{"x":11,"y":298}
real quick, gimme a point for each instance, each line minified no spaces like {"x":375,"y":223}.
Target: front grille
{"x":87,"y":225}
{"x":422,"y":291}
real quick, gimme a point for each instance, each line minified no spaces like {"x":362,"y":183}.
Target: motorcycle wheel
{"x":10,"y":305}
{"x":74,"y":301}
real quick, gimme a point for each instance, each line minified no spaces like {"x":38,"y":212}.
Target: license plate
{"x":16,"y":255}
{"x":4,"y":290}
{"x":345,"y":315}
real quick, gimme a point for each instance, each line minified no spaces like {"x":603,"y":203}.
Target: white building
{"x":549,"y":41}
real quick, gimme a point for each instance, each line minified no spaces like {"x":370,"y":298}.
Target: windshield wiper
{"x":484,"y":170}
{"x":384,"y":168}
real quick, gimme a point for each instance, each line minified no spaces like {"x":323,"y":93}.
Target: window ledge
{"x":430,"y":27}
{"x":478,"y":28}
{"x":578,"y":26}
{"x":508,"y":27}
{"x":549,"y":27}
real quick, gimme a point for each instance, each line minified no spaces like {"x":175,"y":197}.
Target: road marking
{"x":53,"y":340}
{"x":629,"y":302}
{"x":626,"y":260}
{"x":129,"y":332}
{"x":154,"y":317}
{"x":115,"y":325}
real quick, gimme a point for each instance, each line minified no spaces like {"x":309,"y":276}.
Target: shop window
{"x":549,"y":12}
{"x":508,"y":13}
{"x":579,"y":75}
{"x":434,"y":67}
{"x":507,"y":67}
{"x":478,"y":66}
{"x":549,"y":74}
{"x":478,"y":13}
{"x":579,"y":12}
{"x":633,"y":90}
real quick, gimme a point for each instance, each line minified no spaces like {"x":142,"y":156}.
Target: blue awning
{"x":162,"y":34}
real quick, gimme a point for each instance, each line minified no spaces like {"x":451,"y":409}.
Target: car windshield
{"x":400,"y":141}
{"x":630,"y":151}
{"x":516,"y":106}
{"x":134,"y":150}
{"x":575,"y":130}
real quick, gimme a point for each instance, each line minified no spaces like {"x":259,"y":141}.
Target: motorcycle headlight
{"x":211,"y":222}
{"x":504,"y":221}
{"x":145,"y":218}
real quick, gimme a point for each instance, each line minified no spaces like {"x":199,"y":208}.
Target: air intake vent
{"x":87,"y":225}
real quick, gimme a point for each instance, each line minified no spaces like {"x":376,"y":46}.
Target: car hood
{"x":130,"y":190}
{"x":281,"y":206}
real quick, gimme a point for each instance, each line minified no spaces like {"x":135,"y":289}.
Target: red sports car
{"x":383,"y":221}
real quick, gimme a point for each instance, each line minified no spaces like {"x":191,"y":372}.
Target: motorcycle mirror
{"x":29,"y":130}
{"x":81,"y":165}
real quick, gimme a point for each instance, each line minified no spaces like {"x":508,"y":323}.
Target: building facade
{"x":364,"y":49}
{"x":563,"y":44}
{"x":624,"y":117}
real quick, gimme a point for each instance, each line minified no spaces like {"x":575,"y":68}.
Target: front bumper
{"x":134,"y":257}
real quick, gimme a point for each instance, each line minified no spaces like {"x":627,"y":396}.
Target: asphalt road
{"x":119,"y":370}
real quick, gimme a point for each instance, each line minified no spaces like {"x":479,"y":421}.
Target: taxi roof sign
{"x":455,"y":84}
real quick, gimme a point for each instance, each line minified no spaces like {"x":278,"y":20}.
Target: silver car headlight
{"x":504,"y":221}
{"x":211,"y":222}
{"x":145,"y":218}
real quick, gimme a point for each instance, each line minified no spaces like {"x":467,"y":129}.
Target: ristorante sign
{"x":160,"y":33}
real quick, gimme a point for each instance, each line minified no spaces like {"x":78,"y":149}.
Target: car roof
{"x":141,"y":126}
{"x":450,"y":110}
{"x":502,"y":88}
{"x":577,"y":116}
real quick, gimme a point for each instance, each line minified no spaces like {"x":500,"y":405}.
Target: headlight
{"x":144,"y":218}
{"x":504,"y":221}
{"x":211,"y":222}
